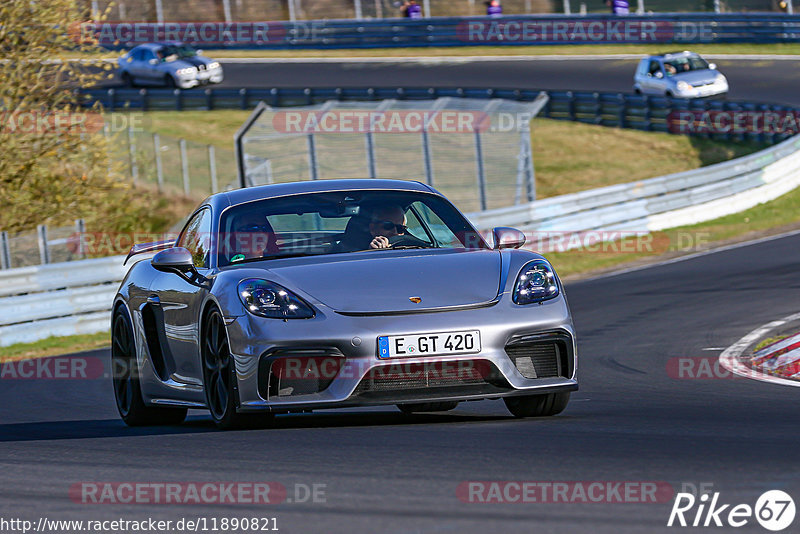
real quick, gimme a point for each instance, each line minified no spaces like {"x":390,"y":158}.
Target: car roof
{"x":247,"y":194}
{"x":157,"y":44}
{"x":673,"y":55}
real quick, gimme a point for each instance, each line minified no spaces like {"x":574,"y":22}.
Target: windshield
{"x":173,"y":52}
{"x":339,"y":223}
{"x":685,"y":64}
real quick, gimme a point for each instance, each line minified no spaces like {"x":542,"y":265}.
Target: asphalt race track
{"x":387,"y":472}
{"x":774,"y":81}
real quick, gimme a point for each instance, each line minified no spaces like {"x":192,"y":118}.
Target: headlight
{"x":683,"y":86}
{"x":213,"y":65}
{"x":187,"y":70}
{"x":537,"y":282}
{"x":268,"y":299}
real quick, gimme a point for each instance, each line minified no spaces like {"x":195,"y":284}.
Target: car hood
{"x":383,"y":282}
{"x":196,"y":61}
{"x":696,"y":77}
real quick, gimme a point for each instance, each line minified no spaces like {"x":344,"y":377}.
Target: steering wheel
{"x":405,"y":240}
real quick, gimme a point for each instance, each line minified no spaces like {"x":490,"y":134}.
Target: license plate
{"x":442,"y":343}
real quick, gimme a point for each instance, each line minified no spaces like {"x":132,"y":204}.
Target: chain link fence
{"x":267,"y":10}
{"x":175,"y":165}
{"x":476,"y":152}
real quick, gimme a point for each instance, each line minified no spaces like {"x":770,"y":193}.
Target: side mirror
{"x":199,"y":52}
{"x":507,"y":238}
{"x":712,"y":66}
{"x":175,"y":259}
{"x":659,"y":74}
{"x":153,"y":61}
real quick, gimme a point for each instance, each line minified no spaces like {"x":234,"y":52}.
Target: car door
{"x":137,"y":67}
{"x":150,"y":68}
{"x":654,"y":81}
{"x":176,"y":304}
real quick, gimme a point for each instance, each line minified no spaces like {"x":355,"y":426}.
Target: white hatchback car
{"x":679,"y":75}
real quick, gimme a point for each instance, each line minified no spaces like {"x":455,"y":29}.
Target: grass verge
{"x":54,"y":346}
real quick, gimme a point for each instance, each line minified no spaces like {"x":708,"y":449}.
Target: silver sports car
{"x":171,"y":64}
{"x":335,"y":293}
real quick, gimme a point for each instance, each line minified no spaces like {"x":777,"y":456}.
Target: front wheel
{"x":125,"y":377}
{"x":537,"y":405}
{"x":219,"y":377}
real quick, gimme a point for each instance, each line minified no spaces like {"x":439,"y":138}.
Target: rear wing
{"x":141,"y":248}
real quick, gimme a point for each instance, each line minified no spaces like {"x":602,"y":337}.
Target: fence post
{"x":312,"y":157}
{"x":226,"y":7}
{"x":185,"y":168}
{"x":292,"y":11}
{"x":159,"y":168}
{"x":370,"y":141}
{"x":567,"y":9}
{"x":159,"y":12}
{"x":481,"y":171}
{"x":717,"y":8}
{"x":640,"y":7}
{"x":80,"y":229}
{"x":212,"y":168}
{"x":427,"y":157}
{"x":5,"y":253}
{"x":426,"y":4}
{"x":44,"y":249}
{"x":134,"y":163}
{"x":357,"y":6}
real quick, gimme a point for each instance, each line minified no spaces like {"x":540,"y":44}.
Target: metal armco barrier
{"x":649,"y":113}
{"x":75,"y":297}
{"x":520,"y":30}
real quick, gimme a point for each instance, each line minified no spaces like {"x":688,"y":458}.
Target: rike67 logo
{"x":774,"y":510}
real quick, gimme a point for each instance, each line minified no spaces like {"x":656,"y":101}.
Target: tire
{"x":427,"y":407}
{"x":637,"y":91}
{"x":219,"y":377}
{"x":169,"y":82}
{"x":537,"y":405}
{"x":127,"y":79}
{"x":125,"y":378}
{"x":669,"y":94}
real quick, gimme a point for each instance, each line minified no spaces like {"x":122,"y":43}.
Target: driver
{"x":253,"y":237}
{"x":386,"y":222}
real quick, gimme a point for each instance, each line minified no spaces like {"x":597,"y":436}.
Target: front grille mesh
{"x":400,"y":376}
{"x":536,"y":360}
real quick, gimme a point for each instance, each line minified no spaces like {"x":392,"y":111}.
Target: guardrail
{"x":524,"y":30}
{"x":665,"y":202}
{"x":59,"y":299}
{"x":649,"y":113}
{"x":73,"y":298}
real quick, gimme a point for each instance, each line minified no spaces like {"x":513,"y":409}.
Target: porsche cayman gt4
{"x":337,"y":293}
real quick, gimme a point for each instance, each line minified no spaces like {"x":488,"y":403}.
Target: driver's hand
{"x":379,"y":242}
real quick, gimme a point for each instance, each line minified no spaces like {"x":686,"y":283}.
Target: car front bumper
{"x":704,"y":91}
{"x":362,"y":378}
